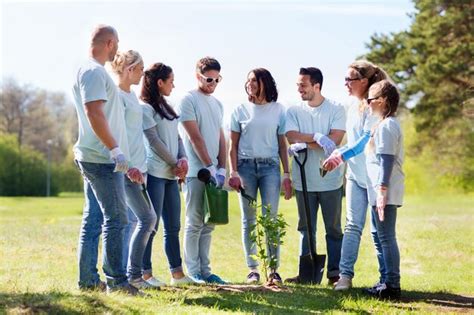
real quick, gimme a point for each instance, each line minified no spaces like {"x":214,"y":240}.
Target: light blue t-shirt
{"x":388,"y":139}
{"x":259,"y":127}
{"x":134,"y":123}
{"x":93,"y":83}
{"x":208,"y":113}
{"x":355,"y":126}
{"x":168,"y":133}
{"x":306,"y":119}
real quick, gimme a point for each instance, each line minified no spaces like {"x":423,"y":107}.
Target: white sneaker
{"x":182,"y":281}
{"x":141,"y":284}
{"x":155,"y":282}
{"x":343,"y":284}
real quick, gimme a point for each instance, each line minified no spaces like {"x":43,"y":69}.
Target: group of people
{"x":134,"y":151}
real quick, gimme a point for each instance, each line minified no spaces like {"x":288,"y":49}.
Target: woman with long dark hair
{"x":166,"y":161}
{"x":257,"y":145}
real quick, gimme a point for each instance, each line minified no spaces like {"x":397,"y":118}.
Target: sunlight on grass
{"x":38,"y":269}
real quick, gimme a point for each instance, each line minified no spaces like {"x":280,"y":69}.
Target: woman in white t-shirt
{"x":129,"y":68}
{"x":385,"y":181}
{"x":257,"y":145}
{"x":167,"y":163}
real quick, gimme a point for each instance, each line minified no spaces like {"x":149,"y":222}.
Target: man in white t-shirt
{"x":200,"y":119}
{"x":318,"y":124}
{"x":101,"y":153}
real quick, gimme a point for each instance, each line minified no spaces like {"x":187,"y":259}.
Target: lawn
{"x":38,"y":267}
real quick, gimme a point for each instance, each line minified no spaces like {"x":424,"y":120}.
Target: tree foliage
{"x":432,"y":62}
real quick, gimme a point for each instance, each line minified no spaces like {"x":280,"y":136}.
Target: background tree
{"x":432,"y":62}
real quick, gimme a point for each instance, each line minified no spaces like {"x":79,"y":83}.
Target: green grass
{"x":38,"y":268}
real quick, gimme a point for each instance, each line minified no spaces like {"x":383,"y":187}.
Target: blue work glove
{"x":324,"y":142}
{"x":121,"y":163}
{"x":220,"y":177}
{"x":295,"y":147}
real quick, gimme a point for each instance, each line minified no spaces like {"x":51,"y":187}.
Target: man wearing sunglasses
{"x":200,"y":119}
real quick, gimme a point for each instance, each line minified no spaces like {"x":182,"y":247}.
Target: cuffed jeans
{"x":330,"y":202}
{"x":386,"y":246}
{"x":197,"y":235}
{"x":106,"y":213}
{"x":356,"y":213}
{"x":164,"y":194}
{"x":147,"y":219}
{"x":261,"y":174}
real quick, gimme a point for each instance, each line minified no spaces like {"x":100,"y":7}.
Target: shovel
{"x":311,"y":266}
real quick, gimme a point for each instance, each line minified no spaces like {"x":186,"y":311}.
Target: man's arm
{"x":221,"y":158}
{"x":100,"y":126}
{"x":195,"y":137}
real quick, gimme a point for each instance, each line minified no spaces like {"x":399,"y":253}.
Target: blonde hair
{"x":367,"y":70}
{"x":125,"y":60}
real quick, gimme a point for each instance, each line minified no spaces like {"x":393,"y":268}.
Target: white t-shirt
{"x":388,"y":139}
{"x":134,"y":123}
{"x":168,"y":133}
{"x":306,"y":119}
{"x":208,"y":113}
{"x":259,"y":127}
{"x":93,"y":83}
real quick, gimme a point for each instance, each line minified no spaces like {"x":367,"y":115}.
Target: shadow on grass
{"x":51,"y":303}
{"x":306,"y":300}
{"x":300,"y":300}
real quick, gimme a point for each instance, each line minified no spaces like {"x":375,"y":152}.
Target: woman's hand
{"x":286,"y":185}
{"x":333,"y":161}
{"x":135,"y":175}
{"x":235,"y":181}
{"x":381,"y":201}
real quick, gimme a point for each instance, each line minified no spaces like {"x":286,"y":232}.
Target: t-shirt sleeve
{"x":234,"y":121}
{"x":282,"y":122}
{"x":339,"y":120}
{"x":387,"y":138}
{"x":186,"y":109}
{"x":291,"y":121}
{"x":148,"y":119}
{"x":93,"y":86}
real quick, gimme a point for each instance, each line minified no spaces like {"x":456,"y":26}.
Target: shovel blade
{"x":310,"y":272}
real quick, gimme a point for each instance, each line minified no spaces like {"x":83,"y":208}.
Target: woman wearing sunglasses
{"x":257,"y":145}
{"x":360,"y":76}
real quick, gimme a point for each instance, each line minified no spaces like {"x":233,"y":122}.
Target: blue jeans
{"x":146,"y":223}
{"x":330,"y":202}
{"x":388,"y":247}
{"x":356,"y":213}
{"x":165,"y":197}
{"x":197,"y":235}
{"x":107,"y":215}
{"x":261,"y":174}
{"x":127,"y":236}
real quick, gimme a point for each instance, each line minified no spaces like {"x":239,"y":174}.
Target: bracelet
{"x":286,"y":175}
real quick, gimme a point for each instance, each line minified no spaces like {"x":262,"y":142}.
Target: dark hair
{"x":206,"y":64}
{"x":266,"y":85}
{"x":388,"y":90}
{"x":315,"y":75}
{"x":150,"y":92}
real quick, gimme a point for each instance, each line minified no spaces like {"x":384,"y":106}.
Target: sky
{"x":44,"y":42}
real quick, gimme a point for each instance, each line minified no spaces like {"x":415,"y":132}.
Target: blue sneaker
{"x":215,"y":279}
{"x":198,"y":279}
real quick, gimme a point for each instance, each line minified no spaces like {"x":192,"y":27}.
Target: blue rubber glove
{"x":295,"y":147}
{"x":121,"y":163}
{"x":220,"y":177}
{"x":324,"y":142}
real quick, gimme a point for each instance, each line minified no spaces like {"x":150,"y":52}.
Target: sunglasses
{"x":369,"y":100}
{"x":210,"y":80}
{"x":346,"y":79}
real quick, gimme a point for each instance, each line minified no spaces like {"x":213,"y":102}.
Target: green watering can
{"x":216,"y":200}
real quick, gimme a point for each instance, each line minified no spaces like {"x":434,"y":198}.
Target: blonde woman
{"x":129,"y":68}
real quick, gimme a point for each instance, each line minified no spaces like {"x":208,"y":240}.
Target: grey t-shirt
{"x":306,"y":119}
{"x":208,"y":113}
{"x":259,"y":127}
{"x":388,"y":139}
